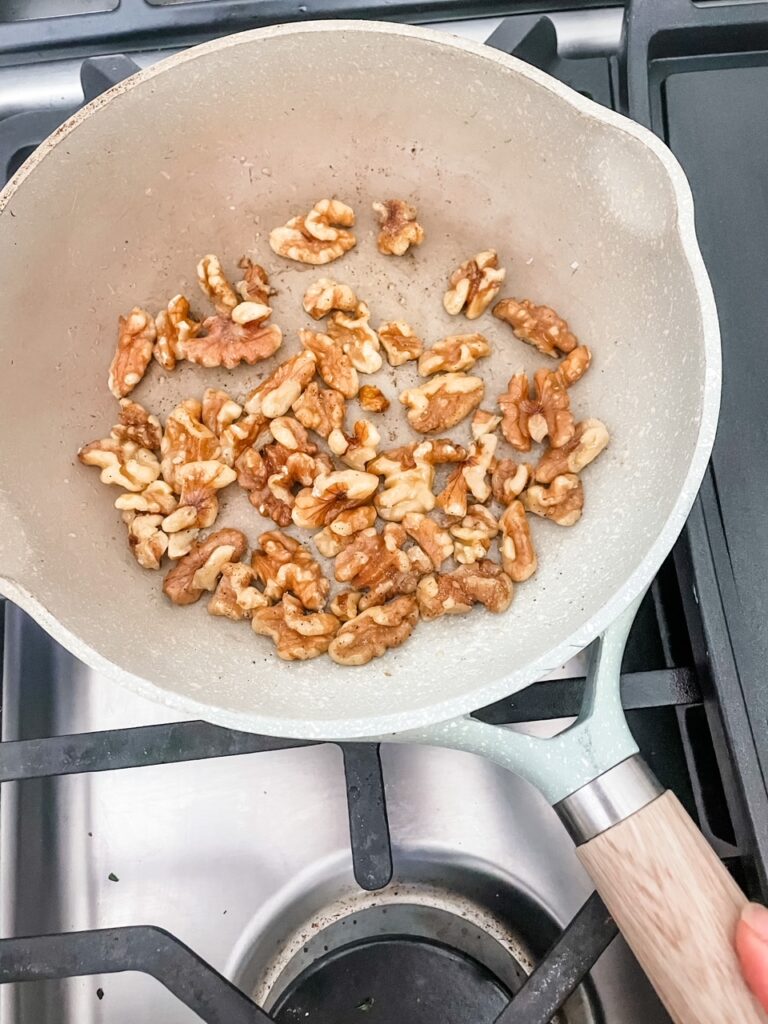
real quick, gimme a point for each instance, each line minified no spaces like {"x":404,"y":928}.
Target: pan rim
{"x":633,"y":586}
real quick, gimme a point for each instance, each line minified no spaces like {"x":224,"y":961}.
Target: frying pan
{"x":207,"y":151}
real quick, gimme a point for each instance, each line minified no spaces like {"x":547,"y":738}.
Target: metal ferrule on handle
{"x":608,"y":799}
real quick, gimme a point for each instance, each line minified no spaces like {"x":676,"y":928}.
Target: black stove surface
{"x":692,"y":674}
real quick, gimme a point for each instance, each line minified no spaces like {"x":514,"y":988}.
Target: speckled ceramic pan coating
{"x":208,"y":150}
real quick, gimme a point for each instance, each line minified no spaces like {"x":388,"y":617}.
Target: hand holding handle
{"x":678,"y":908}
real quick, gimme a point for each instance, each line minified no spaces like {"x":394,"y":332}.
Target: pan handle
{"x":673,"y":900}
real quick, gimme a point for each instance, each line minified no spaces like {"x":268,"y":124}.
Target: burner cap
{"x":391,"y":980}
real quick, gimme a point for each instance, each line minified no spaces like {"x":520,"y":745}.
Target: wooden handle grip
{"x":677,"y":907}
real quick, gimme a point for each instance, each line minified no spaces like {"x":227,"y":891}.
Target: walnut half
{"x":326,"y":295}
{"x":201,"y":568}
{"x":399,"y":227}
{"x":474,"y":285}
{"x":589,"y":439}
{"x":123,"y":463}
{"x":454,"y":593}
{"x":539,"y":326}
{"x":518,"y":556}
{"x":546,"y":413}
{"x":331,"y":494}
{"x":320,"y":237}
{"x":136,"y":335}
{"x":442,"y":402}
{"x":374,"y":631}
{"x":236,"y":597}
{"x":562,"y":501}
{"x":297,"y":636}
{"x":285,"y":566}
{"x":400,"y":342}
{"x":456,"y":352}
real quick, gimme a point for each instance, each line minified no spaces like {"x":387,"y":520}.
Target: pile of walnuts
{"x":389,"y":526}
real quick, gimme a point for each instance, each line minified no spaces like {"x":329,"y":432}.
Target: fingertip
{"x":752,"y":950}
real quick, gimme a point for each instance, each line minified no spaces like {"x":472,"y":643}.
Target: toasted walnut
{"x":318,"y":238}
{"x":400,"y":342}
{"x":180,"y":543}
{"x":215,"y":285}
{"x":374,"y":631}
{"x":345,"y":605}
{"x":509,"y":479}
{"x":156,"y":497}
{"x":373,"y":558}
{"x":357,"y":338}
{"x":454,"y":593}
{"x":136,"y":424}
{"x":484,"y":422}
{"x":300,"y":470}
{"x":469,"y":477}
{"x":271,"y":474}
{"x":399,"y":227}
{"x":442,"y":450}
{"x":420,"y":561}
{"x":174,"y":326}
{"x":284,"y":565}
{"x":123,"y":463}
{"x":235,"y":596}
{"x":372,"y":399}
{"x":275,"y":396}
{"x":291,"y":435}
{"x":224,"y":342}
{"x":219,"y":411}
{"x":442,"y":402}
{"x":240,"y":435}
{"x":518,"y":556}
{"x":325,"y":295}
{"x":472,"y":537}
{"x":255,"y":286}
{"x":547,"y":413}
{"x":145,"y":538}
{"x":376,"y":562}
{"x":200,"y":569}
{"x":474,"y":285}
{"x":186,"y":439}
{"x":574,"y":366}
{"x":335,"y":537}
{"x":431,"y":538}
{"x":206,"y":576}
{"x":408,"y":479}
{"x":562,"y":501}
{"x":254,"y":470}
{"x":198,"y":483}
{"x":135,"y":340}
{"x":589,"y":439}
{"x":478,"y":464}
{"x":182,"y":519}
{"x":331,"y":494}
{"x":453,"y":498}
{"x":333,"y":363}
{"x":297,"y":637}
{"x":359,"y":447}
{"x":538,"y":325}
{"x":320,"y":409}
{"x":456,"y":352}
{"x":514,"y":423}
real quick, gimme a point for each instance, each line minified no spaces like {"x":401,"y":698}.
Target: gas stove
{"x":153,"y":869}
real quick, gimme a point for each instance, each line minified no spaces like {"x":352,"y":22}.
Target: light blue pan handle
{"x":672,"y":898}
{"x":597,"y":741}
